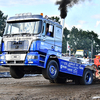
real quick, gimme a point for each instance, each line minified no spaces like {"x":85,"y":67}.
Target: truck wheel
{"x":51,"y":71}
{"x":60,"y":80}
{"x":87,"y":78}
{"x":16,"y":72}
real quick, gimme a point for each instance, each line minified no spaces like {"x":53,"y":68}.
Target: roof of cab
{"x":26,"y":17}
{"x":32,"y":17}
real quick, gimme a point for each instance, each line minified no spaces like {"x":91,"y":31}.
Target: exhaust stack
{"x":63,"y":24}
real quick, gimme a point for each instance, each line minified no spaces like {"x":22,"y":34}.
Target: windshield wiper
{"x":7,"y":35}
{"x":25,"y":34}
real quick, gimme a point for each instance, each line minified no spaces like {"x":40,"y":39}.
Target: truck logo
{"x":15,"y":57}
{"x":16,"y":47}
{"x":17,"y":42}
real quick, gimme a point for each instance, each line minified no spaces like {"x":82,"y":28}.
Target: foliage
{"x":2,"y":22}
{"x":57,"y":19}
{"x":80,"y":39}
{"x":64,"y":45}
{"x":66,"y":32}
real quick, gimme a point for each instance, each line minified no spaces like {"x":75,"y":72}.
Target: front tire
{"x":87,"y":78}
{"x":51,"y":71}
{"x":16,"y":72}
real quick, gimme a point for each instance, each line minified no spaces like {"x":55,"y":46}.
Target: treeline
{"x":3,"y":19}
{"x":80,"y":39}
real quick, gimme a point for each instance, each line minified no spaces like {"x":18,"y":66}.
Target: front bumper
{"x":29,"y":59}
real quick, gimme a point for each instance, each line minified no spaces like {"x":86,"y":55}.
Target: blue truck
{"x":32,"y":44}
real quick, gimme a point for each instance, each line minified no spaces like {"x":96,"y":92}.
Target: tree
{"x":85,"y":40}
{"x":66,"y":32}
{"x":2,"y":22}
{"x":64,"y":45}
{"x":73,"y":40}
{"x":57,"y":19}
{"x":94,"y":41}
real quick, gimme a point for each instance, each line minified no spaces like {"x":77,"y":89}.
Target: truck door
{"x":58,"y":39}
{"x":47,"y":42}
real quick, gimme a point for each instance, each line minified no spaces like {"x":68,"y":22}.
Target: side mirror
{"x":43,"y":33}
{"x":43,"y":29}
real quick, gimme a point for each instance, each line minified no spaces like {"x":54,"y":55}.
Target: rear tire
{"x":51,"y":71}
{"x":87,"y":78}
{"x":16,"y":72}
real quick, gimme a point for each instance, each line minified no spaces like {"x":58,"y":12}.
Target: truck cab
{"x":26,"y":46}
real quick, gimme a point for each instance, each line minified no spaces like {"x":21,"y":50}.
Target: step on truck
{"x":32,"y":44}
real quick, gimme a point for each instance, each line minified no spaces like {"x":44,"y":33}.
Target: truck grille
{"x":15,"y":62}
{"x":20,"y":45}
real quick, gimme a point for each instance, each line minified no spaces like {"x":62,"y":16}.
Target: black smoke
{"x":64,"y":4}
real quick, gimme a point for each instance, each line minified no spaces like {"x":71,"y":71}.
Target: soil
{"x":38,"y":88}
{"x":4,"y":69}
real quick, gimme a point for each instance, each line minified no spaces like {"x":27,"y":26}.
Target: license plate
{"x":15,"y":57}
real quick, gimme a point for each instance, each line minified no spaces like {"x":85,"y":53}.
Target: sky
{"x":84,"y":15}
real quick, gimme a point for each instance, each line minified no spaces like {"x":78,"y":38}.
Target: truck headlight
{"x":32,"y":57}
{"x":1,"y":57}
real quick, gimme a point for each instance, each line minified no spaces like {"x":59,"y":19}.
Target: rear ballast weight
{"x":33,"y":44}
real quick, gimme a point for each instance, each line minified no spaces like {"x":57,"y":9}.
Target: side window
{"x":49,"y":30}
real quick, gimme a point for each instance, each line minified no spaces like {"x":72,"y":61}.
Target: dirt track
{"x":38,"y":88}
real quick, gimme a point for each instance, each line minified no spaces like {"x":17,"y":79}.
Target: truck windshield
{"x":16,"y":27}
